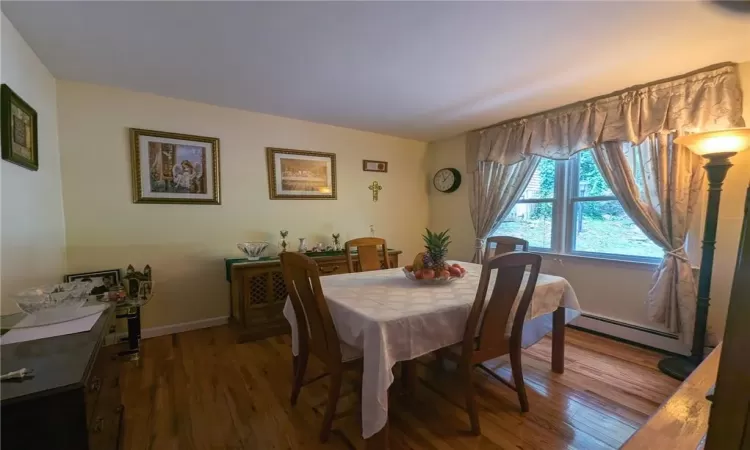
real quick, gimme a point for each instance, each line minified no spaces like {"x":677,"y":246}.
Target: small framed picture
{"x":301,"y":175}
{"x":374,"y":166}
{"x":18,"y":130}
{"x":174,"y":168}
{"x":106,"y":278}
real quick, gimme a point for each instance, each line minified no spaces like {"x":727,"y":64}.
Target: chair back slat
{"x":315,"y":326}
{"x":368,"y":253}
{"x":497,"y":245}
{"x":491,"y":316}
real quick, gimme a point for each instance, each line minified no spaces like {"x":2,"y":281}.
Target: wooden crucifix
{"x":375,"y":188}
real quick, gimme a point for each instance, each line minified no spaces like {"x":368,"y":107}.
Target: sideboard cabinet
{"x":257,"y":293}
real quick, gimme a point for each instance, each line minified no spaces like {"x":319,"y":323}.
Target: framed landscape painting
{"x":18,"y":130}
{"x":300,"y":175}
{"x":174,"y":168}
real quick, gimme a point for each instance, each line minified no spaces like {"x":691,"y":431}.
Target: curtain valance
{"x":707,"y":99}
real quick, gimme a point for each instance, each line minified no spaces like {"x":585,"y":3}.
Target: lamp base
{"x":677,"y":367}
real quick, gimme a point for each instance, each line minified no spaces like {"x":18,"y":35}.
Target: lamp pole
{"x":717,"y":147}
{"x":677,"y":367}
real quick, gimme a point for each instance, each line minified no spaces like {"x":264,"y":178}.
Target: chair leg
{"x":300,"y":366}
{"x":333,"y":398}
{"x":515,"y":364}
{"x":471,"y":404}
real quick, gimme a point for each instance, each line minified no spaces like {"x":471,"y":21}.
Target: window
{"x":569,"y":208}
{"x":531,"y":216}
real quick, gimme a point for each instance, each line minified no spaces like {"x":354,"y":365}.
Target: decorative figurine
{"x":283,"y":244}
{"x":302,"y":245}
{"x":372,"y":230}
{"x":375,"y":188}
{"x":336,"y":244}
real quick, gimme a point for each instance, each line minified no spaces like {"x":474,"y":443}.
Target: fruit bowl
{"x":252,"y":250}
{"x":436,"y":280}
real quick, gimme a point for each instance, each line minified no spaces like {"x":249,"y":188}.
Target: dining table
{"x":392,"y":319}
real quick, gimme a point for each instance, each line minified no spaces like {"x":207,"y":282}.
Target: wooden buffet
{"x":682,"y":421}
{"x":73,"y":400}
{"x":257,"y":292}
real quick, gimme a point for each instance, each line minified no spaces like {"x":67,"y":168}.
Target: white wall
{"x":33,"y":227}
{"x":610,"y":289}
{"x":186,"y":244}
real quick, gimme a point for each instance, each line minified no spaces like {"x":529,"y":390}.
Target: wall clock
{"x":447,"y":180}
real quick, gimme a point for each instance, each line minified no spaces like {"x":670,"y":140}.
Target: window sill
{"x":607,"y":259}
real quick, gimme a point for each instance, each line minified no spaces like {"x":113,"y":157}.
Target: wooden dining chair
{"x":497,"y":245}
{"x":369,"y":255}
{"x":488,"y":334}
{"x":316,"y":333}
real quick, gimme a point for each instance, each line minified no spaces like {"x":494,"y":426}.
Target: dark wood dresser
{"x":258,"y":293}
{"x":73,"y":401}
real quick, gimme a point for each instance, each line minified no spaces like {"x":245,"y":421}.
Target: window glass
{"x":598,"y":224}
{"x":591,"y":183}
{"x":604,"y":227}
{"x":542,"y":183}
{"x":530,"y":221}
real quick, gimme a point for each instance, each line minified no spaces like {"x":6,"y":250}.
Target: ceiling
{"x":421,"y":70}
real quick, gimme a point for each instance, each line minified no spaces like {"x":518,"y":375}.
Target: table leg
{"x":379,"y":440}
{"x":409,"y":377}
{"x":558,"y":340}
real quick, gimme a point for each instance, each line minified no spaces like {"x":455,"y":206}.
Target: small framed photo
{"x":174,"y":168}
{"x":301,"y":175}
{"x":106,"y":278}
{"x":18,"y":130}
{"x":374,"y":166}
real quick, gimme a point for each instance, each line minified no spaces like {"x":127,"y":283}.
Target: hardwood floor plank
{"x":201,"y":390}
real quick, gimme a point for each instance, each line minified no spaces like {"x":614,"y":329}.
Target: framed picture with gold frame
{"x":300,"y":174}
{"x":18,"y":130}
{"x":174,"y":168}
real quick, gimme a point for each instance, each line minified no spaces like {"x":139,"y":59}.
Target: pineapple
{"x":437,"y":247}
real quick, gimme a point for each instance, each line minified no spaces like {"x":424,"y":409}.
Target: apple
{"x":455,"y":265}
{"x":454,"y":271}
{"x":463,"y":271}
{"x":445,"y":274}
{"x":419,"y":274}
{"x":428,"y":274}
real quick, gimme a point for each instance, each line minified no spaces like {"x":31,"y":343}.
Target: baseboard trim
{"x":632,"y":326}
{"x":633,"y":333}
{"x":626,"y":341}
{"x":184,"y":326}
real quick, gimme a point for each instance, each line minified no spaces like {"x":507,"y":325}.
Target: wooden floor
{"x":200,"y":390}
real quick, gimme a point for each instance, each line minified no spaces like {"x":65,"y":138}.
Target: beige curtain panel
{"x":663,"y":208}
{"x":495,"y":188}
{"x":643,"y":119}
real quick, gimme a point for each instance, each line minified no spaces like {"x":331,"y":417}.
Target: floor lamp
{"x":717,"y":147}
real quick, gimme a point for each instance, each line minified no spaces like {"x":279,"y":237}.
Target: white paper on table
{"x":19,"y":334}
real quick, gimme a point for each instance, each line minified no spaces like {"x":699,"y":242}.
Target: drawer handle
{"x":98,"y":425}
{"x":331,"y":270}
{"x":96,"y":384}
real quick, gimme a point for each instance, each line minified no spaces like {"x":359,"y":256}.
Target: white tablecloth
{"x":391,"y":319}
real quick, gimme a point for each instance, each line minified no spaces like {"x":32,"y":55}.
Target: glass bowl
{"x":252,"y":250}
{"x":54,"y":297}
